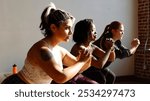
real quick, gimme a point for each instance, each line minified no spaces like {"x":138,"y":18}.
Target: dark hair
{"x":112,"y":25}
{"x":82,"y":30}
{"x":51,"y":15}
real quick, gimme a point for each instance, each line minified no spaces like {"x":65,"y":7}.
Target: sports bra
{"x":34,"y":74}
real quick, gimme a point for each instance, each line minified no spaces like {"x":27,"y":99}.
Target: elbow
{"x":61,"y":79}
{"x":100,"y":65}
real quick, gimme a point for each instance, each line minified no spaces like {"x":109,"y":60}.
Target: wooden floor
{"x":131,"y":80}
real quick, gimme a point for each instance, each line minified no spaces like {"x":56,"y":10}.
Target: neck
{"x":115,"y":39}
{"x":52,"y":41}
{"x":86,"y":44}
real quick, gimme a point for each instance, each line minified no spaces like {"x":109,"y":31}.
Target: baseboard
{"x":131,"y":79}
{"x":126,"y":77}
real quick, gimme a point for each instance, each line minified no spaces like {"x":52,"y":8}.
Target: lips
{"x":95,"y":35}
{"x":68,"y":37}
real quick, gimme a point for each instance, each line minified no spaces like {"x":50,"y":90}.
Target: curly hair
{"x":82,"y":30}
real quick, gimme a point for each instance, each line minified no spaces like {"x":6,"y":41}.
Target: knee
{"x":112,"y":77}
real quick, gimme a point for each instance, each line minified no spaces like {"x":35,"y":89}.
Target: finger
{"x":86,"y":52}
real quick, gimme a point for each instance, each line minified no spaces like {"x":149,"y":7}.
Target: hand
{"x":109,"y":44}
{"x":84,"y":54}
{"x":135,"y":42}
{"x":86,"y":66}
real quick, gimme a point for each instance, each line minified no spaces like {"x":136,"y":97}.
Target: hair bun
{"x":50,"y":7}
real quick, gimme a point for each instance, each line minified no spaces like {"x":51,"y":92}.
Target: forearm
{"x":133,"y":50}
{"x":106,"y":57}
{"x":135,"y":43}
{"x":99,"y":63}
{"x":112,"y":56}
{"x":71,"y":71}
{"x":85,"y":66}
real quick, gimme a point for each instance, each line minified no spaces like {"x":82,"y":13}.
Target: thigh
{"x":95,"y":74}
{"x":81,"y":79}
{"x":71,"y":81}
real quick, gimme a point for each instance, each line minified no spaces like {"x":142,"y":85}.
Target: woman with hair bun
{"x":45,"y":59}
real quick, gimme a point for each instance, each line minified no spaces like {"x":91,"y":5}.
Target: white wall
{"x":20,"y":19}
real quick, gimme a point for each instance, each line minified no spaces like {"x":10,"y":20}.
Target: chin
{"x":94,"y":39}
{"x":66,"y":40}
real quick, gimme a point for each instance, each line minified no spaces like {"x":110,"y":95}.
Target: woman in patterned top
{"x":45,"y":59}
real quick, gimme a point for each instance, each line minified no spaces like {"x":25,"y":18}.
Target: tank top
{"x":35,"y":74}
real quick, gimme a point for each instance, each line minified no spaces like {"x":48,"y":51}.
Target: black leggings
{"x":103,"y":76}
{"x":13,"y":79}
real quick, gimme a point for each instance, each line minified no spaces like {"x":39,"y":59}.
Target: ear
{"x":53,"y":28}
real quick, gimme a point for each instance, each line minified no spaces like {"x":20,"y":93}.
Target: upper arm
{"x":68,"y":58}
{"x":50,"y":66}
{"x":98,"y":52}
{"x":121,"y":51}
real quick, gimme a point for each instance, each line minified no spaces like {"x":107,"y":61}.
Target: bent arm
{"x":101,"y":57}
{"x":55,"y":70}
{"x":122,"y":52}
{"x":135,"y":43}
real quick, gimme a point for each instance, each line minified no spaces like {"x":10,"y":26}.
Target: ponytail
{"x":44,"y":25}
{"x":99,"y":40}
{"x":106,"y":30}
{"x":50,"y":8}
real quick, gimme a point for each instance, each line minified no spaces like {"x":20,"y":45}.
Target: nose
{"x":70,"y":32}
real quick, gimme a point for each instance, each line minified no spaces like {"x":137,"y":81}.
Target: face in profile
{"x":93,"y":34}
{"x":118,"y":33}
{"x":65,"y":30}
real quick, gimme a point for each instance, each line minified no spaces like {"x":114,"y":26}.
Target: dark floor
{"x":131,"y":80}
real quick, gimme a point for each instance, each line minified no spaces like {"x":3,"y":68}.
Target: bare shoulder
{"x":76,"y":48}
{"x":96,"y":49}
{"x":62,"y":50}
{"x":38,"y":50}
{"x":45,"y":53}
{"x":36,"y":47}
